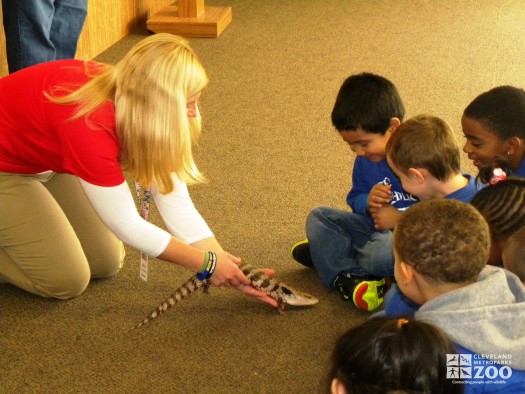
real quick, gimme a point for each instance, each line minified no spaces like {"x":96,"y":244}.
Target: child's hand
{"x":379,"y":195}
{"x":386,"y":217}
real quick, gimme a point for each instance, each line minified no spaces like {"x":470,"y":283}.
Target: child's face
{"x":368,"y":145}
{"x":482,"y":145}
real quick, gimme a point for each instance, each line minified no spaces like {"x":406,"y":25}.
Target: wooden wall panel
{"x":3,"y":59}
{"x":106,"y":23}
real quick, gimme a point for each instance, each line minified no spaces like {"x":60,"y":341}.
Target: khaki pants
{"x":51,"y":239}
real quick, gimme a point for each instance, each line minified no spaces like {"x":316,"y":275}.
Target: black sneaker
{"x":301,"y":253}
{"x":366,"y":292}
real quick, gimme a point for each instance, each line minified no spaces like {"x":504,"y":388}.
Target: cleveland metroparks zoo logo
{"x":479,"y":368}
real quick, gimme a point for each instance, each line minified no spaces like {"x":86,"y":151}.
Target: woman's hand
{"x":261,"y":295}
{"x":228,"y":274}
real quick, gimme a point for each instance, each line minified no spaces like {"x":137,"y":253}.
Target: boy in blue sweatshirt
{"x":441,"y":247}
{"x":349,"y":253}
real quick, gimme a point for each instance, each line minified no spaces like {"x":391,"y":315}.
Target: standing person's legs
{"x":68,"y":21}
{"x":27,"y":24}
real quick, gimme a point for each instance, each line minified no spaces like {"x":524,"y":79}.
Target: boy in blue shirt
{"x":425,"y":156}
{"x":347,"y":250}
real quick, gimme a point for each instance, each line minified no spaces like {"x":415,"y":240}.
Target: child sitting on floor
{"x":424,"y":154}
{"x":513,"y":254}
{"x":385,"y":355}
{"x":441,"y":247}
{"x":349,"y":253}
{"x":503,"y":207}
{"x":493,"y":127}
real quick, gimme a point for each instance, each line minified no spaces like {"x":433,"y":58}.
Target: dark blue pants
{"x":347,"y":242}
{"x":39,"y":31}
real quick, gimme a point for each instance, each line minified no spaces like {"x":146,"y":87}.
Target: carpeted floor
{"x":271,"y":155}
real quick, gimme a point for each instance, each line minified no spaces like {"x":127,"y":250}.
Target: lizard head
{"x":297,"y":298}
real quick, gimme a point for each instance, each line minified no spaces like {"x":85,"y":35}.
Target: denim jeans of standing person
{"x":39,"y":31}
{"x":347,"y":242}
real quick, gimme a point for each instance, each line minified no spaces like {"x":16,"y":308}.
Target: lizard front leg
{"x":281,"y":305}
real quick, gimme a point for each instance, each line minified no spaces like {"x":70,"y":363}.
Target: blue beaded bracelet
{"x":208,"y":267}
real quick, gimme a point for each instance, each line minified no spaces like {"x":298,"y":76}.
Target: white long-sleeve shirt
{"x":117,"y":210}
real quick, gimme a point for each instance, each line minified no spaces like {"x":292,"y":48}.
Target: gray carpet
{"x":271,"y":155}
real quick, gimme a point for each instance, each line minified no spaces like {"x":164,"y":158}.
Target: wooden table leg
{"x":191,"y":18}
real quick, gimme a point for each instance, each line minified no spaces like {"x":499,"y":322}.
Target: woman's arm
{"x":179,"y":215}
{"x":213,"y":244}
{"x":116,"y":208}
{"x":185,"y":222}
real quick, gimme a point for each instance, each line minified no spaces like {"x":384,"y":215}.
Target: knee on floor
{"x":64,"y":285}
{"x":108,"y":264}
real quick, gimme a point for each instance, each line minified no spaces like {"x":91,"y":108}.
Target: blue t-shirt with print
{"x":396,"y":303}
{"x":520,"y":171}
{"x":365,"y":176}
{"x":465,"y":194}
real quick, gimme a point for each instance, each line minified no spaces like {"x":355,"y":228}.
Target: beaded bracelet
{"x":206,"y":262}
{"x":208,"y":267}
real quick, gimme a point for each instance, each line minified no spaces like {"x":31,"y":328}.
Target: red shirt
{"x":37,"y":135}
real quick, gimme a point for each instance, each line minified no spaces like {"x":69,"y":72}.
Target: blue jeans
{"x":39,"y":31}
{"x":342,"y":241}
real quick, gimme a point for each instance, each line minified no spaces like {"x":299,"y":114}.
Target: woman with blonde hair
{"x":68,"y":131}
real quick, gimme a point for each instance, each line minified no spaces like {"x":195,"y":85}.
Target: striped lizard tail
{"x":190,"y":286}
{"x":279,"y":291}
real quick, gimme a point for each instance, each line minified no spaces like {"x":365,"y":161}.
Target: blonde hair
{"x":149,"y":87}
{"x":428,"y":142}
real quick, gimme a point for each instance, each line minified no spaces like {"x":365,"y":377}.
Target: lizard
{"x":279,"y":291}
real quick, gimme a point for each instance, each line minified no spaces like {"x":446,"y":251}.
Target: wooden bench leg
{"x":191,"y":18}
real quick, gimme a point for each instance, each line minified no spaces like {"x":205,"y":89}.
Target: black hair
{"x":367,"y":101}
{"x":444,"y":240}
{"x":384,"y":354}
{"x":501,"y":109}
{"x":503,"y":207}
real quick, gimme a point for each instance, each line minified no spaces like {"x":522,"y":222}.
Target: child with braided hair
{"x":493,"y":127}
{"x":503,"y":207}
{"x":386,"y":355}
{"x":513,"y":255}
